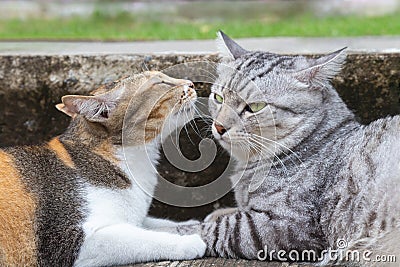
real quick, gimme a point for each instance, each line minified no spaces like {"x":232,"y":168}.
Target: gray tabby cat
{"x":324,"y":180}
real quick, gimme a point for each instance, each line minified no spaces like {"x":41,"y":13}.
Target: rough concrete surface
{"x":217,"y":262}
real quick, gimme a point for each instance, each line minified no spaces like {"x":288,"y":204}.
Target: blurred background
{"x":107,"y":20}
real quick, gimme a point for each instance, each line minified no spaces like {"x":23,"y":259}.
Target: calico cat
{"x":323,"y":180}
{"x":72,"y":201}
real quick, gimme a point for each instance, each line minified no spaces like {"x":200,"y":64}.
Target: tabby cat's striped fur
{"x":331,"y":179}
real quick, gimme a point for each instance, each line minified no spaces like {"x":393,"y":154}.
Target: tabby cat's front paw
{"x":190,"y":247}
{"x":213,"y":216}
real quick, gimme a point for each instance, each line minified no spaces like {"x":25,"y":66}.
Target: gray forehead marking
{"x":257,"y":64}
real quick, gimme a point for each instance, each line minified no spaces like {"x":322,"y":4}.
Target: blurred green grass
{"x":124,"y":26}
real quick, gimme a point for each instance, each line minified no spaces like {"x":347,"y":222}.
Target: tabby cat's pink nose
{"x":220,"y":129}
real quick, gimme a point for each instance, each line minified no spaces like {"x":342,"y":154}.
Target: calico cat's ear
{"x":94,"y":108}
{"x":322,"y":69}
{"x":228,"y":47}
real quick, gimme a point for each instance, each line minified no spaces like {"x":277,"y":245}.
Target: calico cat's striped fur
{"x":331,"y":179}
{"x":72,"y":200}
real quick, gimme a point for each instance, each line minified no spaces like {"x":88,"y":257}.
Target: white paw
{"x":189,"y":222}
{"x":190,"y":247}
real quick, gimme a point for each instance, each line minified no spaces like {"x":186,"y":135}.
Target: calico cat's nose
{"x":220,"y":129}
{"x":191,"y":85}
{"x":188,"y":91}
{"x":188,"y":88}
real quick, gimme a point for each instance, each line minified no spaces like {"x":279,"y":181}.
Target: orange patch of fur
{"x":151,"y":133}
{"x":57,"y":147}
{"x":17,"y":212}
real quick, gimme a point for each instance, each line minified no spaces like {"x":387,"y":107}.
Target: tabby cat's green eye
{"x":255,"y":107}
{"x":219,"y":98}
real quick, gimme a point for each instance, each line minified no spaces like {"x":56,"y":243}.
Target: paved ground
{"x":276,"y":44}
{"x":215,"y":262}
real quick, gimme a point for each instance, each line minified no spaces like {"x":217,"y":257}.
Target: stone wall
{"x":30,"y":86}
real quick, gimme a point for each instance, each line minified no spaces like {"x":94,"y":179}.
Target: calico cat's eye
{"x":218,"y":98}
{"x":255,"y":107}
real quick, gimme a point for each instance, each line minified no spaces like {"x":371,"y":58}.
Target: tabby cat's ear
{"x":227,"y":47}
{"x":94,"y":108}
{"x":322,"y":69}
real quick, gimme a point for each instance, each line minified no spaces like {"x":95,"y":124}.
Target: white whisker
{"x":262,"y":139}
{"x":264,"y":147}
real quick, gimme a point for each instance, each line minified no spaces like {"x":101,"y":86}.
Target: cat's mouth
{"x":226,"y":139}
{"x":230,"y":141}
